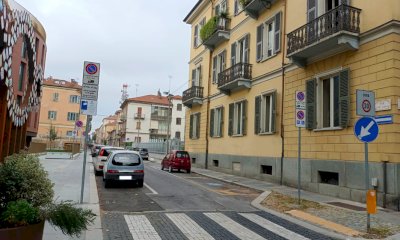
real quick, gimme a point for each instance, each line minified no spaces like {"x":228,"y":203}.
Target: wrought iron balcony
{"x":215,"y":31}
{"x":253,"y":8}
{"x":193,"y":96}
{"x":234,"y":78}
{"x":334,"y":32}
{"x":139,"y":116}
{"x":156,"y":117}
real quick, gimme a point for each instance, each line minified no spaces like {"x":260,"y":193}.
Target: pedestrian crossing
{"x":216,"y":225}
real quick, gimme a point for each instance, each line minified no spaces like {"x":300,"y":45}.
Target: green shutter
{"x":344,"y":98}
{"x":233,"y":54}
{"x":311,"y":121}
{"x":212,"y":123}
{"x":246,"y":48}
{"x":222,"y":122}
{"x":277,"y":44}
{"x":193,"y":77}
{"x":200,"y":76}
{"x":230,"y":123}
{"x":273,"y":115}
{"x":214,"y":70}
{"x":198,"y":126}
{"x":244,"y":119}
{"x":257,"y":115}
{"x":191,"y":127}
{"x":259,"y":46}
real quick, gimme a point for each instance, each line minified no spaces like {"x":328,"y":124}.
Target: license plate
{"x":125,"y":177}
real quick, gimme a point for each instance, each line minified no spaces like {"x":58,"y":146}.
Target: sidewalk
{"x":351,"y":219}
{"x":66,"y":174}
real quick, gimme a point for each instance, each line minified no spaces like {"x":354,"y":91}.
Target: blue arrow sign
{"x":366,"y":129}
{"x":84,"y":105}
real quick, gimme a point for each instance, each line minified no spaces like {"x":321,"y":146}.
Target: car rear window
{"x":181,"y":154}
{"x":108,"y":151}
{"x":126,"y":159}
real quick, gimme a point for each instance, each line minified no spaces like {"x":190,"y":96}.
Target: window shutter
{"x":236,"y":6}
{"x":246,"y":48}
{"x":200,"y":76}
{"x":48,"y":115}
{"x":311,"y":10}
{"x":273,"y":115}
{"x":230,"y":127}
{"x":259,"y":45}
{"x":277,"y":44}
{"x":223,"y":64}
{"x":198,"y":126}
{"x":194,"y":77}
{"x":233,"y":54}
{"x":212,"y":123}
{"x":222,"y":122}
{"x":311,"y":121}
{"x":257,"y":115}
{"x":244,"y":120}
{"x":214,"y":70}
{"x":217,"y":11}
{"x":344,"y":98}
{"x":191,"y":127}
{"x":195,"y":35}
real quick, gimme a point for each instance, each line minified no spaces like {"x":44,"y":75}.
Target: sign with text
{"x":90,"y":88}
{"x":300,"y":109}
{"x":88,"y":107}
{"x":365,"y":103}
{"x":90,"y":91}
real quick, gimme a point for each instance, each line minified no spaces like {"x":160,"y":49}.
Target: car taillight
{"x":112,"y":171}
{"x":138,"y":171}
{"x":101,"y":152}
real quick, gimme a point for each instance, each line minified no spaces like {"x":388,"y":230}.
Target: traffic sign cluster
{"x":90,"y":88}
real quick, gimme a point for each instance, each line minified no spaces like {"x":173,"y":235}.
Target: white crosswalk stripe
{"x":233,"y":227}
{"x":275,"y":228}
{"x":141,"y":228}
{"x":189,"y":227}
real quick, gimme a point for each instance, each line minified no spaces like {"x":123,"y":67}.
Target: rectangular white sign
{"x":383,"y":104}
{"x":300,"y":100}
{"x":88,"y":107}
{"x":300,"y":109}
{"x":300,"y":118}
{"x":90,"y":88}
{"x":365,"y":105}
{"x":90,"y":92}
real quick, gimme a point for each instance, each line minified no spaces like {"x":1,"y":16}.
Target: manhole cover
{"x":348,"y":206}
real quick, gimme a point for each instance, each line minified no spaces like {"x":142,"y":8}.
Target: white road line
{"x":273,"y":227}
{"x":189,"y":227}
{"x":141,"y":228}
{"x":233,"y":227}
{"x":150,"y":188}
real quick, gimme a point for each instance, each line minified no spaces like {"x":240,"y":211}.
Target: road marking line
{"x":150,"y":188}
{"x":273,"y":227}
{"x":141,"y":228}
{"x":189,"y":227}
{"x":233,"y":227}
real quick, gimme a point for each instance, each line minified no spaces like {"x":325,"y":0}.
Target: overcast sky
{"x":136,"y":42}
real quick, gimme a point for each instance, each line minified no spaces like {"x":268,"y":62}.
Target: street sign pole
{"x":300,"y":113}
{"x":367,"y":182}
{"x":299,"y":168}
{"x":88,"y":120}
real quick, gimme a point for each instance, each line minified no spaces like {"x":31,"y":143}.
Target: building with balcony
{"x":152,"y":118}
{"x":21,"y":77}
{"x":60,"y":111}
{"x":241,"y":95}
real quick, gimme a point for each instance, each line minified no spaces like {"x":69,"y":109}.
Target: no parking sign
{"x":300,"y":109}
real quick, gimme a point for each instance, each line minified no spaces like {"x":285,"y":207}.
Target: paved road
{"x":189,"y":206}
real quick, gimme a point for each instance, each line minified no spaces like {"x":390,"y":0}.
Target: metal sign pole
{"x":367,"y":183}
{"x":88,"y":120}
{"x":299,"y":168}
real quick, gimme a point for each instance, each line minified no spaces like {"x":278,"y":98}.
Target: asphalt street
{"x":188,"y":206}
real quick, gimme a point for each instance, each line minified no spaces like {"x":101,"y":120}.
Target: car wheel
{"x":188,"y":171}
{"x":107,"y":183}
{"x":170,"y":169}
{"x":162,"y":167}
{"x":140,"y":183}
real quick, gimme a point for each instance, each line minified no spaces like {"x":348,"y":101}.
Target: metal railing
{"x":237,"y":71}
{"x":341,"y":18}
{"x":156,"y":117}
{"x":192,"y":92}
{"x":139,"y":116}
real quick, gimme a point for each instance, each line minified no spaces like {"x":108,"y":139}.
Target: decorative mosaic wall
{"x":15,"y":24}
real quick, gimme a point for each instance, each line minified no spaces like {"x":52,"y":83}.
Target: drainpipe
{"x":283,"y":90}
{"x":384,"y":183}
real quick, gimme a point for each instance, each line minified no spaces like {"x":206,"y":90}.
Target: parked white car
{"x":101,"y":158}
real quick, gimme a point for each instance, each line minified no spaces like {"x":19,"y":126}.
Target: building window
{"x":219,"y":65}
{"x":265,"y":108}
{"x":72,"y":116}
{"x":240,"y":51}
{"x":194,"y":131}
{"x":138,"y":139}
{"x":237,"y":118}
{"x":178,"y":121}
{"x":178,"y":135}
{"x":196,"y":76}
{"x":52,"y":115}
{"x":269,"y":38}
{"x":21,"y":76}
{"x":179,"y":107}
{"x":238,"y":7}
{"x":23,"y":48}
{"x":197,"y":28}
{"x":42,"y":59}
{"x":37,"y":49}
{"x":70,"y":133}
{"x":74,"y":99}
{"x":216,"y":122}
{"x":55,"y":97}
{"x":220,"y":8}
{"x":327,"y":101}
{"x":138,"y":125}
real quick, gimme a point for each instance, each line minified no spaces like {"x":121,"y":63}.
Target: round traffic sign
{"x":79,"y":123}
{"x":366,"y":105}
{"x":300,"y":114}
{"x":366,"y":129}
{"x":300,"y":96}
{"x":91,"y":68}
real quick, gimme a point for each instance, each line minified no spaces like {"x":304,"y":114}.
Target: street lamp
{"x":169,"y":97}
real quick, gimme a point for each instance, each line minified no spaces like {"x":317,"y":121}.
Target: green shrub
{"x":209,"y":28}
{"x":244,"y":2}
{"x":20,"y":213}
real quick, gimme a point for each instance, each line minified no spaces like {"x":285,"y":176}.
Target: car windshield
{"x":126,"y":159}
{"x":181,"y":154}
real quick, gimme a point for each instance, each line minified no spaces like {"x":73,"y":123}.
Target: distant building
{"x":105,"y":130}
{"x":145,"y":119}
{"x":60,"y":111}
{"x":21,"y":77}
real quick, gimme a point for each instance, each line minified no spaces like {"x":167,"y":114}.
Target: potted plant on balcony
{"x":26,"y":201}
{"x":244,"y":2}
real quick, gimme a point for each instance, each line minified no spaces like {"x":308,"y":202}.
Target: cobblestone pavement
{"x":204,"y":225}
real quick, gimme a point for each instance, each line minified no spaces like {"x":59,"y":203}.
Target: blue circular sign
{"x":300,"y":96}
{"x":91,"y":68}
{"x":366,"y":129}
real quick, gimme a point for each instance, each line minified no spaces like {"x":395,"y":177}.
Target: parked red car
{"x":176,"y":160}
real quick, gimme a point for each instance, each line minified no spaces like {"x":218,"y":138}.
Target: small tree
{"x":52,"y":135}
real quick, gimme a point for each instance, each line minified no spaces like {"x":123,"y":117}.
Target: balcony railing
{"x":341,"y":18}
{"x":139,"y":116}
{"x":238,"y":76}
{"x":215,"y":31}
{"x":156,"y":117}
{"x":193,"y":96}
{"x":253,"y":8}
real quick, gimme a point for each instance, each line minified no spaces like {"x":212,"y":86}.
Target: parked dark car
{"x":144,"y":153}
{"x":176,"y":160}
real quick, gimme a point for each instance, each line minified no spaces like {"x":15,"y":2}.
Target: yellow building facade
{"x":247,"y":60}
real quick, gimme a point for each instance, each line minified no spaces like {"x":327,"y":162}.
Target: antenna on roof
{"x":125,"y":94}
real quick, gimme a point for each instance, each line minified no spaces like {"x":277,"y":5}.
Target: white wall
{"x":177,"y":114}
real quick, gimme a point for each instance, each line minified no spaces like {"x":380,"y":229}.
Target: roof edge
{"x":199,"y":5}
